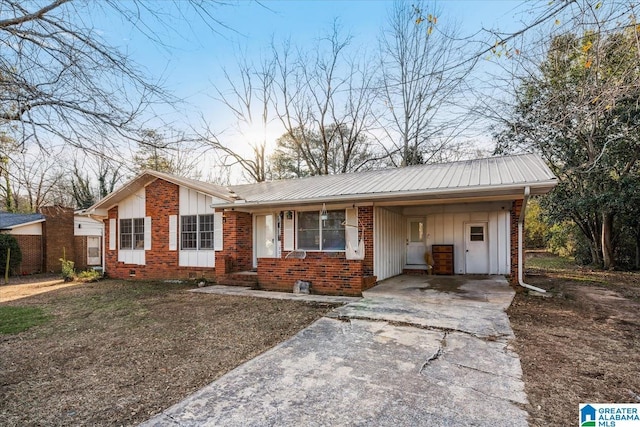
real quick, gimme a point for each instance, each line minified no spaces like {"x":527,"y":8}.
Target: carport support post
{"x":527,"y":192}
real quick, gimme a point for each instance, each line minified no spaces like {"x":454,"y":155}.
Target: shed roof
{"x":9,"y":221}
{"x":480,"y":175}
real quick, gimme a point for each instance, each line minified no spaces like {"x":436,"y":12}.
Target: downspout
{"x":104,"y":250}
{"x":527,"y":192}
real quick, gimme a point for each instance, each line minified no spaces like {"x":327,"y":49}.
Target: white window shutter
{"x":112,"y":234}
{"x":289,"y":231}
{"x":173,"y":232}
{"x":351,"y":228}
{"x":147,"y":233}
{"x":218,"y":232}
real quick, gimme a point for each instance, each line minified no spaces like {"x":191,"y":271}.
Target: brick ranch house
{"x":54,"y":232}
{"x":342,"y":232}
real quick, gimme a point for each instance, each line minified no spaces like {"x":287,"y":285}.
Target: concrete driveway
{"x":415,"y":351}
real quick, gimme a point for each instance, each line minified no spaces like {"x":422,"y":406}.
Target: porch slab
{"x":249,"y":292}
{"x":470,"y":304}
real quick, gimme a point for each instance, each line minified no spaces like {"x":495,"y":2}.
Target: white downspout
{"x":527,"y":192}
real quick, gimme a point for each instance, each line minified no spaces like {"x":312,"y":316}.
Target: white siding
{"x":448,"y":228}
{"x":195,"y":203}
{"x":84,"y":226}
{"x":132,"y":207}
{"x":29,"y":230}
{"x":389,"y":243}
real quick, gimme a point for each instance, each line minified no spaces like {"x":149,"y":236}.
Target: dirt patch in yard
{"x":116,"y":353}
{"x":582,"y":344}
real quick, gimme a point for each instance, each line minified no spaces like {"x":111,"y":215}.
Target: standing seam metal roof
{"x":526,"y":169}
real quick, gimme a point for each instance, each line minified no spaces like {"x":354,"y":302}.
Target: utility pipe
{"x":527,"y":192}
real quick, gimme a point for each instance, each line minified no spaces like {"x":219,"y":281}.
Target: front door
{"x":476,"y":248}
{"x":265,"y":238}
{"x":416,"y":241}
{"x":93,"y":250}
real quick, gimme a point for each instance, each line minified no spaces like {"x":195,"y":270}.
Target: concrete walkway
{"x":249,"y":292}
{"x":415,"y":351}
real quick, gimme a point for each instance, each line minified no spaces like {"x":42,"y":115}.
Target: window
{"x":476,"y":234}
{"x":316,"y":234}
{"x":197,"y":232}
{"x":132,"y":233}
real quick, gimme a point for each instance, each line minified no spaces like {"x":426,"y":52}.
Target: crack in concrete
{"x":437,"y":354}
{"x":489,"y":338}
{"x":486,"y":372}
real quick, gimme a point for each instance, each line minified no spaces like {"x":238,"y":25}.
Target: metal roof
{"x":456,"y":177}
{"x":9,"y":221}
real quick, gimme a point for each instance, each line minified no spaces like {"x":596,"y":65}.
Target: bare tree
{"x":325,"y":104}
{"x":423,"y":72}
{"x":248,"y":98}
{"x":61,"y":80}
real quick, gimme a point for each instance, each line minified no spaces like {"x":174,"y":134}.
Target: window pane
{"x":309,"y":230}
{"x":189,"y":234}
{"x":417,"y":231}
{"x":206,"y":231}
{"x":333,"y":238}
{"x":125,"y":234}
{"x":138,"y":233}
{"x":476,"y":234}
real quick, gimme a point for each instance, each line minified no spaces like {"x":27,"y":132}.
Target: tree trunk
{"x":638,"y":248}
{"x":607,"y":248}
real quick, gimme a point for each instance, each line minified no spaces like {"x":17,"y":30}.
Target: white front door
{"x":93,"y":250}
{"x":416,"y":241}
{"x":476,"y":248}
{"x":265,"y":246}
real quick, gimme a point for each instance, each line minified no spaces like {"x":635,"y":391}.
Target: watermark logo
{"x":609,"y":415}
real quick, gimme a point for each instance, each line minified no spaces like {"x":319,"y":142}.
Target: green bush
{"x":8,"y":241}
{"x":68,"y":270}
{"x":89,"y":275}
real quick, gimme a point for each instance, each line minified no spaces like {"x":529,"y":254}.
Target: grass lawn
{"x":579,"y":345}
{"x":116,"y":353}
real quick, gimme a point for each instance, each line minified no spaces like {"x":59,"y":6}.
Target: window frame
{"x":133,"y":233}
{"x":321,"y":229}
{"x":202,"y":235}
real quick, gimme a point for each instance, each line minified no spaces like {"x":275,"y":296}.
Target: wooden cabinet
{"x":442,"y":259}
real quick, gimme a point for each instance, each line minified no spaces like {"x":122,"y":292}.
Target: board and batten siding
{"x":131,"y":207}
{"x":448,"y":227}
{"x":389,"y":243}
{"x":194,"y":203}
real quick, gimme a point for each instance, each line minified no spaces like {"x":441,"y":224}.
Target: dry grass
{"x":116,"y":353}
{"x":580,"y":345}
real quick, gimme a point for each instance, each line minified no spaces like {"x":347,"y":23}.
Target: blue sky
{"x":190,"y":59}
{"x":194,"y":55}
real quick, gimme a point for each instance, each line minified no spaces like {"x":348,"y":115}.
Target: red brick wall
{"x":31,"y":248}
{"x":516,"y":207}
{"x":58,"y":236}
{"x":329,"y":273}
{"x":365,"y":217}
{"x":237,"y":253}
{"x":162,"y":199}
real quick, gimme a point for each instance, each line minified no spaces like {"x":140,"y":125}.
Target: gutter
{"x":527,"y":192}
